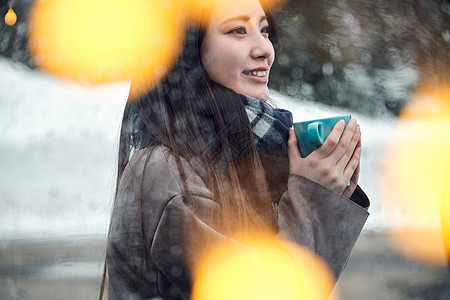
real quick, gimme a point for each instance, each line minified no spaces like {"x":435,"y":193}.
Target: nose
{"x":262,"y":48}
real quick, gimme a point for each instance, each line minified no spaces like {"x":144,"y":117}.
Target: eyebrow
{"x":242,"y":18}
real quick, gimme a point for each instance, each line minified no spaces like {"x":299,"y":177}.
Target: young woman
{"x":203,"y":158}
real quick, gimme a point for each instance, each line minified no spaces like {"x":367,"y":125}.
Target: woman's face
{"x":236,"y":50}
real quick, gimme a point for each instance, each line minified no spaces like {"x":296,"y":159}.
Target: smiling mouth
{"x":256,"y":73}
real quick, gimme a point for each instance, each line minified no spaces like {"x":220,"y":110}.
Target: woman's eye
{"x":265,"y":30}
{"x":240,"y":30}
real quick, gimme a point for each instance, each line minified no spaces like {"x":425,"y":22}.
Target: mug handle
{"x":315,"y":134}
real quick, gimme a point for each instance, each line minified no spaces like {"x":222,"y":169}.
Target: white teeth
{"x":257,"y":73}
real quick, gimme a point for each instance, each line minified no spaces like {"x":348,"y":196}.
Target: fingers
{"x":344,"y":155}
{"x":353,"y":165}
{"x":353,"y":183}
{"x":359,"y":142}
{"x":293,"y":152}
{"x":355,"y":177}
{"x":345,"y":141}
{"x":354,"y":173}
{"x":347,"y":148}
{"x":340,"y":142}
{"x":332,"y":140}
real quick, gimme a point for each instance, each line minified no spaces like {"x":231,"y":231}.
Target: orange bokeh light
{"x":265,"y":268}
{"x":99,"y":41}
{"x":445,"y":211}
{"x":415,"y":179}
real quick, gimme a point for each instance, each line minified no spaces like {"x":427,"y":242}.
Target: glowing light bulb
{"x":10,"y":17}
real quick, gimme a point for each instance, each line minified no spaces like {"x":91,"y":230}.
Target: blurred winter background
{"x":58,"y":141}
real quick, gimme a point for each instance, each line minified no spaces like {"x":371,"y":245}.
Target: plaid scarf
{"x":270,"y":129}
{"x":270,"y":126}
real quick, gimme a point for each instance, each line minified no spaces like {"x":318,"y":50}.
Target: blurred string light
{"x":267,"y":269}
{"x":10,"y":17}
{"x":100,"y":41}
{"x":416,"y":177}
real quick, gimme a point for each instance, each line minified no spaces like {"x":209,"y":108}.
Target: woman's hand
{"x":335,"y":163}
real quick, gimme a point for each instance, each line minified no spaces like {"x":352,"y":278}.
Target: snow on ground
{"x":58,"y":144}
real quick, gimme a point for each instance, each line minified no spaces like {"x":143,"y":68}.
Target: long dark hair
{"x":197,"y":119}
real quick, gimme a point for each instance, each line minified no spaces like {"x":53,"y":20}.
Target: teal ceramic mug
{"x":313,"y":133}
